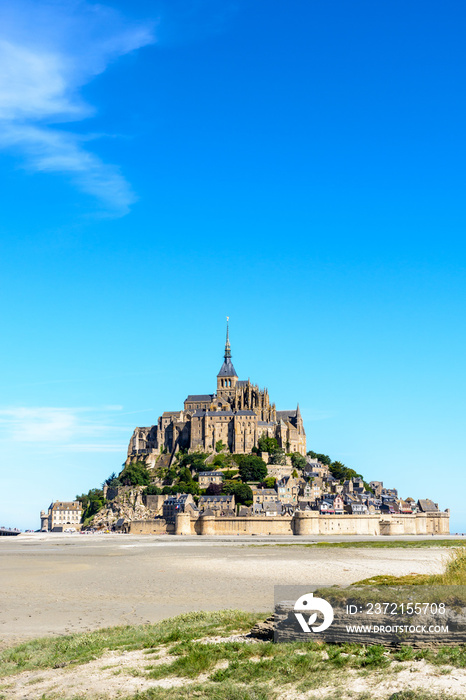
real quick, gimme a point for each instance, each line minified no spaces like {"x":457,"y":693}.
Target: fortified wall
{"x":301,"y":523}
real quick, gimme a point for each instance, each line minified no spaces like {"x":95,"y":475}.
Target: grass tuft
{"x":454,"y":574}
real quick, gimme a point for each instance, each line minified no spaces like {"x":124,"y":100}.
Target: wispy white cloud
{"x":96,"y":447}
{"x":57,"y":429}
{"x":50,"y":49}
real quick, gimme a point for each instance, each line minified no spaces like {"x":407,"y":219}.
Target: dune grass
{"x":230,"y":669}
{"x":453,"y":575}
{"x":233,"y":692}
{"x":47,"y":652}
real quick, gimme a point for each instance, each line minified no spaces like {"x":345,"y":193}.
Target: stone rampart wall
{"x":312,"y":523}
{"x":148,"y":527}
{"x":302,"y":523}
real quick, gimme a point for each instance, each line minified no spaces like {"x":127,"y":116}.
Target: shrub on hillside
{"x":252,"y":468}
{"x":135,"y":474}
{"x":278,"y":457}
{"x":91,"y":502}
{"x":298,"y":461}
{"x":152,"y":490}
{"x":241,"y":492}
{"x":195,"y":460}
{"x":267,"y":444}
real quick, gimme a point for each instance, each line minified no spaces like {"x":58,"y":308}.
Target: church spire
{"x":227,"y":369}
{"x":227,"y":344}
{"x":299,"y":418}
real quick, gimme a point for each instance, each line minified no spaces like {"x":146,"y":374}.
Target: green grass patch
{"x":453,"y":575}
{"x":80,"y":648}
{"x":205,"y":691}
{"x":228,"y":670}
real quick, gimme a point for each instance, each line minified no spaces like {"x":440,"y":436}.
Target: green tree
{"x":135,"y":474}
{"x":269,"y":482}
{"x":219,"y":446}
{"x":298,"y":461}
{"x":185,"y":475}
{"x":340,"y":472}
{"x":91,"y":502}
{"x":241,"y":492}
{"x":219,"y":461}
{"x":195,"y":460}
{"x":170,"y":475}
{"x":183,"y":487}
{"x":252,"y":468}
{"x":267,"y":444}
{"x":278,"y":457}
{"x":230,"y":473}
{"x":152,"y":490}
{"x":112,"y":481}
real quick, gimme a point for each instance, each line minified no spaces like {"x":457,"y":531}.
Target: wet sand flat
{"x":56,"y":584}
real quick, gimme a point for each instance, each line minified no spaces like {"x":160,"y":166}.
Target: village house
{"x":261,"y":496}
{"x":425,"y":505}
{"x":181,"y":503}
{"x":389,"y":506}
{"x":338,"y":505}
{"x":326,"y":507}
{"x":376,"y":487}
{"x":313,"y":466}
{"x":354,"y":505}
{"x":275,"y":508}
{"x":404,"y":506}
{"x":207,"y":478}
{"x":288,"y":490}
{"x":61,"y":515}
{"x":217,"y":505}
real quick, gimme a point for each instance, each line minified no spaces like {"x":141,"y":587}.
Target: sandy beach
{"x":55,"y":584}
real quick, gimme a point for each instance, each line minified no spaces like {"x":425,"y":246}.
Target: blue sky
{"x":299,"y":168}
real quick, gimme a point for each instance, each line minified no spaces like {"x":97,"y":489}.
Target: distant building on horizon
{"x":60,"y":516}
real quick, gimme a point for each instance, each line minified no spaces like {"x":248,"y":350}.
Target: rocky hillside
{"x":128,"y":504}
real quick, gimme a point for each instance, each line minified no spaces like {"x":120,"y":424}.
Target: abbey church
{"x":238,"y":414}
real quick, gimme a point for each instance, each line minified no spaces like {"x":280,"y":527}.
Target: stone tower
{"x":227,"y":377}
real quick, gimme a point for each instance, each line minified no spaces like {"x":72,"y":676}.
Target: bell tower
{"x":227,"y":377}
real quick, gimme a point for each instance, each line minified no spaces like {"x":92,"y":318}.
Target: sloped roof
{"x":200,"y":397}
{"x":200,"y":412}
{"x":285,"y":415}
{"x":216,"y":499}
{"x":426,"y":505}
{"x":227,"y":369}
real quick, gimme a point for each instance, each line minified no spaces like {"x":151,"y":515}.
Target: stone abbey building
{"x":238,"y":414}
